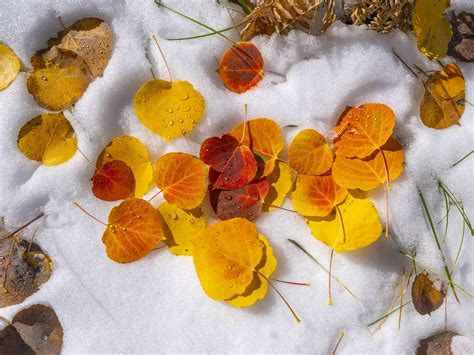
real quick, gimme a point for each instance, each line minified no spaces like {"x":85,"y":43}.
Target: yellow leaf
{"x":281,"y":181}
{"x":181,"y":227}
{"x":48,"y":138}
{"x":442,"y":104}
{"x":133,"y":153}
{"x":432,"y":31}
{"x":309,"y":153}
{"x":361,"y":224}
{"x":426,"y":297}
{"x":9,"y":66}
{"x":61,"y":82}
{"x":225,"y":257}
{"x":170,"y":109}
{"x":259,"y":286}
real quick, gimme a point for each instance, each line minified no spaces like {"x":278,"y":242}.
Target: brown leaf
{"x":39,"y":327}
{"x":12,"y":343}
{"x":28,"y":269}
{"x":437,"y":344}
{"x":426,"y":297}
{"x":461,"y":45}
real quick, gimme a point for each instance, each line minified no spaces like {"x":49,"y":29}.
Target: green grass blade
{"x":435,"y":235}
{"x":389,"y":313}
{"x":457,"y":204}
{"x":464,"y":157}
{"x":205,"y":34}
{"x":460,"y":246}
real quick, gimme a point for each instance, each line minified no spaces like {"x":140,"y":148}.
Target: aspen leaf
{"x":361,"y":225}
{"x":369,"y":173}
{"x":61,"y":82}
{"x":317,"y":195}
{"x":23,"y":274}
{"x":461,"y":45}
{"x":241,"y":67}
{"x":362,"y":130}
{"x":234,"y":161}
{"x":113,"y":181}
{"x":40,"y":329}
{"x":90,"y":38}
{"x":309,"y":153}
{"x":245,"y":202}
{"x":12,"y":343}
{"x":226,"y":255}
{"x":432,"y":30}
{"x":181,"y":227}
{"x":437,"y":344}
{"x":259,"y":286}
{"x":426,"y":297}
{"x":9,"y":66}
{"x":134,"y":153}
{"x":281,"y":182}
{"x":183,"y":179}
{"x":263,"y":137}
{"x":133,"y":231}
{"x":442,"y":104}
{"x":169,"y":109}
{"x":48,"y":138}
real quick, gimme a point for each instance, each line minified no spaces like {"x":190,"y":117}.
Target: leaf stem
{"x":163,"y":56}
{"x":75,"y":203}
{"x":338,"y":343}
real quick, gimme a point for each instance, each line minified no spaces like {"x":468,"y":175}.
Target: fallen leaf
{"x":432,"y":30}
{"x":234,"y":161}
{"x":241,"y":67}
{"x":309,"y":153}
{"x":90,"y":38}
{"x":133,"y":153}
{"x":245,"y":202}
{"x":23,"y":274}
{"x":461,"y":45}
{"x":48,"y":138}
{"x":225,"y":257}
{"x":133,"y":231}
{"x":317,"y":195}
{"x":113,"y":181}
{"x":61,"y":82}
{"x":443,"y":103}
{"x":259,"y":285}
{"x":359,"y":223}
{"x":12,"y":343}
{"x":426,"y":297}
{"x":9,"y":66}
{"x":263,"y":137}
{"x":39,"y":327}
{"x":362,"y":130}
{"x":181,"y":227}
{"x":437,"y":344}
{"x":169,"y":109}
{"x":183,"y":179}
{"x":281,"y":182}
{"x":370,"y":172}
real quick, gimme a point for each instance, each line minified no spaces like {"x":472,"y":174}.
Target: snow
{"x":157,"y":304}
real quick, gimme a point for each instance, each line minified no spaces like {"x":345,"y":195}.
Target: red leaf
{"x":241,"y":67}
{"x":245,"y":202}
{"x":114,"y":181}
{"x":235,"y":162}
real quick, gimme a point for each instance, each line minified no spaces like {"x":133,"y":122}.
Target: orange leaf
{"x":309,"y":153}
{"x":133,"y":231}
{"x":241,"y":67}
{"x":113,"y":181}
{"x":364,"y":129}
{"x":263,"y":137}
{"x":235,"y":162}
{"x":317,"y":195}
{"x":182,"y":178}
{"x":371,"y":172}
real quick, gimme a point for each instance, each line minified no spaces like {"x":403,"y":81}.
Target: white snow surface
{"x":157,"y":304}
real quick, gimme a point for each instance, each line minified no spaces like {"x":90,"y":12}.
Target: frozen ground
{"x":157,"y":304}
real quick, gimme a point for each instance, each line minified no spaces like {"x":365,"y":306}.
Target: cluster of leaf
{"x":61,"y":74}
{"x":330,"y":186}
